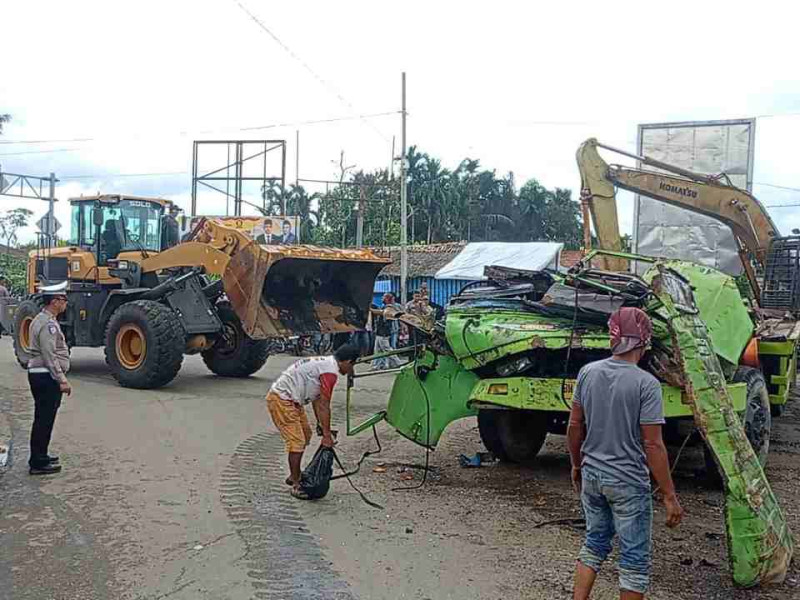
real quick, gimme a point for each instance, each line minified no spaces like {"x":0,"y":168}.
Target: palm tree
{"x":533,"y":207}
{"x":272,"y":193}
{"x":300,"y":204}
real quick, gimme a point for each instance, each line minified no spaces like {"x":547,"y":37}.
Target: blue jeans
{"x":615,"y":507}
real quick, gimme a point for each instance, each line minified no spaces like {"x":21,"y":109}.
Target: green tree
{"x":10,"y":222}
{"x":4,"y":118}
{"x":467,"y":203}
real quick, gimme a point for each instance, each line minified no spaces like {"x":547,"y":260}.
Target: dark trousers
{"x":47,"y":398}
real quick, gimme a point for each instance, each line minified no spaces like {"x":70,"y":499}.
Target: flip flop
{"x":300,"y":494}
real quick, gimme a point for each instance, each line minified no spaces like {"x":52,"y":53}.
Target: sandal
{"x":300,"y":494}
{"x":289,"y":481}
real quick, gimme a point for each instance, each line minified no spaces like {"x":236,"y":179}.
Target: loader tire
{"x":235,"y":354}
{"x":26,"y":312}
{"x":757,"y":418}
{"x":145,"y":342}
{"x":487,"y":427}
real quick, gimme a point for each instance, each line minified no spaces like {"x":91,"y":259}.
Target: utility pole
{"x":51,"y":225}
{"x":297,"y":158}
{"x":362,"y":206}
{"x":391,"y":161}
{"x":403,"y":202}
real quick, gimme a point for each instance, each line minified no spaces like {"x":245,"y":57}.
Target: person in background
{"x":417,"y":306}
{"x":170,"y":229}
{"x":394,"y":336}
{"x":614,"y":435}
{"x":5,"y":298}
{"x":288,"y":236}
{"x":362,"y":338}
{"x":423,"y":291}
{"x":47,"y":369}
{"x":307,"y":381}
{"x":420,"y":306}
{"x":413,"y":304}
{"x":111,"y":242}
{"x":382,"y":328}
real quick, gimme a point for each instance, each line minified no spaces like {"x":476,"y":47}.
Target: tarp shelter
{"x":469,"y":263}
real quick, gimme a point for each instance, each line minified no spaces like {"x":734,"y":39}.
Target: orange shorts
{"x":291,"y":421}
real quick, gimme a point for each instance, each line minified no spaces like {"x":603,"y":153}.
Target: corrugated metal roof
{"x":423,"y":260}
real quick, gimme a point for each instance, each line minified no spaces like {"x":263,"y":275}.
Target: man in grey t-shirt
{"x":614,"y":435}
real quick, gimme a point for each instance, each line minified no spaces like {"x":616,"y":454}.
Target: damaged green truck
{"x":508,"y":350}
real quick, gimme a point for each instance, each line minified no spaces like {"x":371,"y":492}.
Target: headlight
{"x":122,"y":264}
{"x":514,"y":366}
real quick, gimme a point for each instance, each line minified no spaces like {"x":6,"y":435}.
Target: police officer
{"x":47,"y":370}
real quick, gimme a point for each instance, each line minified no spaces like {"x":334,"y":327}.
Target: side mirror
{"x":97,"y":217}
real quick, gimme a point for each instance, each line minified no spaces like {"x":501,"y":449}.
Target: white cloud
{"x":144,"y":79}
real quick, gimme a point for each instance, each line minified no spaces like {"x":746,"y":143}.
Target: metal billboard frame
{"x":236,"y":163}
{"x":678,"y":124}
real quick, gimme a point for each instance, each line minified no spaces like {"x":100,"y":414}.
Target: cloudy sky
{"x":109,"y":95}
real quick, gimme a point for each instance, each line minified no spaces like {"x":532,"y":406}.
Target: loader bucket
{"x":293,"y":290}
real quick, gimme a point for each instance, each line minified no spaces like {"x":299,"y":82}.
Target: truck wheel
{"x":26,"y":313}
{"x":487,"y":427}
{"x":235,"y":354}
{"x":144,"y":344}
{"x":520,"y":433}
{"x":757,"y":418}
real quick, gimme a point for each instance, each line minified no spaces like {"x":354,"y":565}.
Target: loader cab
{"x":109,"y":225}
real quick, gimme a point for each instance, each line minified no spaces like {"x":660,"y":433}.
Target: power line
{"x":115,"y":175}
{"x":208,"y":131}
{"x":71,"y":140}
{"x":305,"y":65}
{"x":780,"y":187}
{"x":783,"y":205}
{"x":319,"y":121}
{"x":39,"y":151}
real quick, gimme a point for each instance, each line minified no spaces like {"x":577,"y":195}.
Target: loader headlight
{"x":118,"y":264}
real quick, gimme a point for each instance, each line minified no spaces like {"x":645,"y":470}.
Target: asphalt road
{"x":138,"y":511}
{"x":178,"y":493}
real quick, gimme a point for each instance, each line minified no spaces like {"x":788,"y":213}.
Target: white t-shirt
{"x":306,"y":379}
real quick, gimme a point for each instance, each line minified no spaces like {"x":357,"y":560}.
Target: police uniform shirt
{"x":48,"y":347}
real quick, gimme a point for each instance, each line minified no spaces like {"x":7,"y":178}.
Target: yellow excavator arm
{"x":741,"y":211}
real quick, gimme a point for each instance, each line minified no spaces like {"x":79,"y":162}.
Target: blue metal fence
{"x":439,"y":290}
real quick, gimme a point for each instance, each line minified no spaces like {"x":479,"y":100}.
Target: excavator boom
{"x":740,"y":210}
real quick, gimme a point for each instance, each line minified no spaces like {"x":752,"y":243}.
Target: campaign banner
{"x":273,"y":230}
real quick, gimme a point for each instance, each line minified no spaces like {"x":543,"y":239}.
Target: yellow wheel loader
{"x":149,"y":300}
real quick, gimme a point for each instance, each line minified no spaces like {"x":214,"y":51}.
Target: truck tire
{"x":757,"y":418}
{"x":522,"y":433}
{"x":235,"y":354}
{"x":512,"y":435}
{"x":144,"y":345}
{"x":487,"y":427}
{"x":26,"y":312}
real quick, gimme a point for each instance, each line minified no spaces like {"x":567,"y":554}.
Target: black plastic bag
{"x":315,"y":481}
